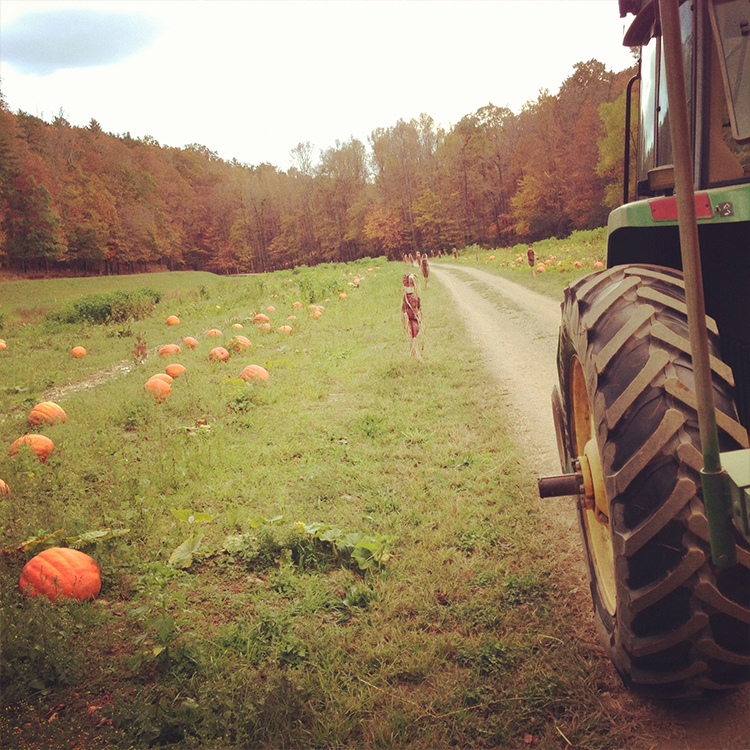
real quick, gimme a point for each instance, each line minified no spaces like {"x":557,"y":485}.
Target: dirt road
{"x":516,"y":330}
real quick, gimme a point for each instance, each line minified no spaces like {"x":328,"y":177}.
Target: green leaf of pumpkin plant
{"x":188,"y":516}
{"x":90,"y":537}
{"x":182,"y":556}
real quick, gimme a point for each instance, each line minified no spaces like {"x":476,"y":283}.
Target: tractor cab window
{"x":647,"y":119}
{"x":729,"y":117}
{"x":655,"y":173}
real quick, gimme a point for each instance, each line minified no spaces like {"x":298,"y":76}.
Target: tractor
{"x":652,"y":408}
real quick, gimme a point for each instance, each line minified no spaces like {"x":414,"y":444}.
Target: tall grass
{"x":463,"y":631}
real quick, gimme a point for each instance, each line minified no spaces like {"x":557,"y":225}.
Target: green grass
{"x":559,"y":257}
{"x":462,"y":631}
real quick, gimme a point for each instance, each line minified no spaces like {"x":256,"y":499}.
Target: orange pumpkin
{"x":254,"y":372}
{"x":270,"y":308}
{"x":78,"y":352}
{"x":598,"y":264}
{"x":264,"y":327}
{"x":169,"y":349}
{"x":219,"y":353}
{"x":160,"y":390}
{"x":285,"y":329}
{"x":214,"y":332}
{"x":174,"y":370}
{"x":261,"y":318}
{"x":61,"y":573}
{"x":190,"y":342}
{"x":315,"y":314}
{"x":40,"y":444}
{"x":239,"y":343}
{"x":237,"y":326}
{"x":292,"y":317}
{"x":3,"y":345}
{"x":4,"y":489}
{"x":162,"y":376}
{"x":47,"y":412}
{"x":342,"y":295}
{"x":297,"y":305}
{"x":173,"y":320}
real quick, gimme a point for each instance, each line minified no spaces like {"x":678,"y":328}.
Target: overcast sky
{"x":250,"y":79}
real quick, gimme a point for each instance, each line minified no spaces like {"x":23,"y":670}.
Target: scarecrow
{"x":411,"y":316}
{"x":425,"y":269}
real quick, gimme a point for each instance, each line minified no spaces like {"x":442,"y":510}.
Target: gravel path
{"x":516,"y":330}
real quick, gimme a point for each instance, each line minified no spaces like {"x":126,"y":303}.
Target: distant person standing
{"x":531,"y":256}
{"x":425,"y":269}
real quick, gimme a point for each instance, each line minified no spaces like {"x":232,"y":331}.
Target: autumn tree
{"x":386,"y":230}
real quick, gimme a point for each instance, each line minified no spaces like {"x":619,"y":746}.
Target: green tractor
{"x":652,"y":410}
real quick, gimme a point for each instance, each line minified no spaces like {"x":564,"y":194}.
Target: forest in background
{"x":82,"y":201}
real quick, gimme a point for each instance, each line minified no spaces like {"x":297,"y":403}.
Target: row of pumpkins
{"x":67,"y":573}
{"x":57,"y":572}
{"x":160,"y":385}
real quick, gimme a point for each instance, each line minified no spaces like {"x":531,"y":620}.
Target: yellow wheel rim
{"x":595,"y":515}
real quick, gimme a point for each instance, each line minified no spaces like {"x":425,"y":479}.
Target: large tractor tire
{"x":673,"y":624}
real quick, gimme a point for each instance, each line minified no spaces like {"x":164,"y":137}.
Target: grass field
{"x":557,"y":261}
{"x":365,"y":566}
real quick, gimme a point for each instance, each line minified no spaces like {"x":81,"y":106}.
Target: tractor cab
{"x":716,"y":58}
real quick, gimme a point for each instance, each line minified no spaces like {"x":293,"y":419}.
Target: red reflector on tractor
{"x":665,"y":209}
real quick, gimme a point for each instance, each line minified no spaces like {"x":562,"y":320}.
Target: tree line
{"x":81,"y":200}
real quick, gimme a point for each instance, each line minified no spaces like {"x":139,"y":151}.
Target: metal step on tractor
{"x":652,"y":410}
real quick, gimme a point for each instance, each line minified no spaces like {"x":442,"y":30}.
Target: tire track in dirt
{"x":516,"y":330}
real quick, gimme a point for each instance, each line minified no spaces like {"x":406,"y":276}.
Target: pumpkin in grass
{"x":3,"y":345}
{"x":214,"y":333}
{"x":190,"y":342}
{"x":239,"y":343}
{"x":174,"y":370}
{"x":297,"y":305}
{"x":285,"y":329}
{"x":173,"y":320}
{"x":254,"y":372}
{"x":261,"y":318}
{"x":4,"y":489}
{"x":169,"y":349}
{"x":160,"y":390}
{"x":342,"y":295}
{"x":219,"y":353}
{"x":162,"y":376}
{"x":47,"y":412}
{"x":292,"y":317}
{"x":270,"y":308}
{"x":264,"y":327}
{"x":315,"y":314}
{"x":78,"y":352}
{"x":39,"y":444}
{"x":61,"y":573}
{"x":237,"y":326}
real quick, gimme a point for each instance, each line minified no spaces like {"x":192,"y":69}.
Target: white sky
{"x":250,"y":79}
